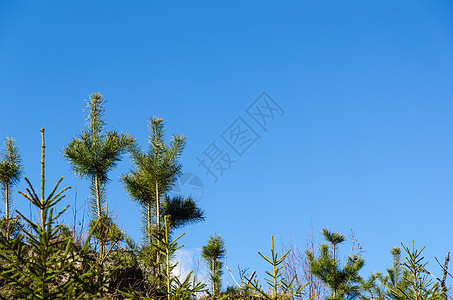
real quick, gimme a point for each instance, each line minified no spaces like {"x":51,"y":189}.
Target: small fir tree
{"x":42,"y":263}
{"x":419,"y":285}
{"x":280,"y":286}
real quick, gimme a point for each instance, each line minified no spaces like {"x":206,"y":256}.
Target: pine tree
{"x":397,"y":279}
{"x":342,"y":281}
{"x":394,"y":284}
{"x":92,"y":155}
{"x":10,"y":172}
{"x":155,"y":171}
{"x":154,"y":174}
{"x":213,"y":254}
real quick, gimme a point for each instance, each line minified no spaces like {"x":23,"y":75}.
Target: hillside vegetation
{"x":47,"y":259}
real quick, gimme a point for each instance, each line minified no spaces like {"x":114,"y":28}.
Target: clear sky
{"x":361,"y":138}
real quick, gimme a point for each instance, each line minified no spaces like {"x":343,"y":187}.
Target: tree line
{"x":50,"y":260}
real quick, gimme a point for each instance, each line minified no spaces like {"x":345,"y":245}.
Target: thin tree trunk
{"x":98,"y":198}
{"x":213,"y":277}
{"x":157,"y":206}
{"x":168,"y":272}
{"x":158,"y":231}
{"x":101,"y":240}
{"x":444,"y":278}
{"x":8,"y":224}
{"x":43,"y":216}
{"x":6,"y":201}
{"x":334,"y":250}
{"x":98,"y":208}
{"x":43,"y":148}
{"x":149,"y":223}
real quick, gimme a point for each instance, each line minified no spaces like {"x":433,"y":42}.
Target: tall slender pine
{"x":154,"y":174}
{"x":94,"y":153}
{"x":213,"y":254}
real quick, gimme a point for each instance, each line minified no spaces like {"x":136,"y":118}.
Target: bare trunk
{"x":213,"y":276}
{"x":149,"y":224}
{"x":99,"y":211}
{"x":43,"y":148}
{"x":335,"y":289}
{"x":43,"y":216}
{"x":158,"y":227}
{"x":444,"y":278}
{"x":101,"y":240}
{"x":98,"y":198}
{"x":157,"y":206}
{"x":8,"y":224}
{"x":6,"y":201}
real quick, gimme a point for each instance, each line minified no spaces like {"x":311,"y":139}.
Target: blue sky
{"x":365,"y":141}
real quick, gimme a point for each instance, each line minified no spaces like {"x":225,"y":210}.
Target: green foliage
{"x":281,"y":288}
{"x":397,"y":279}
{"x":44,"y":260}
{"x":41,"y":263}
{"x":213,"y":253}
{"x":10,"y":227}
{"x":154,"y":174}
{"x":181,"y":211}
{"x":95,"y":152}
{"x":238,"y":292}
{"x":10,"y":172}
{"x":175,"y":289}
{"x":344,"y":282}
{"x":106,"y":230}
{"x":391,"y":286}
{"x":419,"y":285}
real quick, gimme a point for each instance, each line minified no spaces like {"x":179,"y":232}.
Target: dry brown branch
{"x":298,"y":265}
{"x":226,"y":266}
